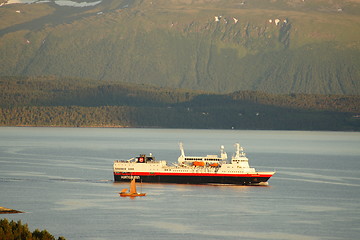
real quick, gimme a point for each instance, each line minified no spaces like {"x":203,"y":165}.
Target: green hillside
{"x":45,"y":101}
{"x":211,"y":45}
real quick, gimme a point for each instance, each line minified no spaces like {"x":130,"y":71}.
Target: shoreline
{"x":4,"y":210}
{"x":67,"y":126}
{"x":158,"y":127}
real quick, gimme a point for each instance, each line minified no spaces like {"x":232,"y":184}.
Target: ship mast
{"x":239,"y":151}
{"x":182,"y":149}
{"x":223,"y":154}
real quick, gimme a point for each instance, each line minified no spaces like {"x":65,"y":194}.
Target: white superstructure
{"x":239,"y":163}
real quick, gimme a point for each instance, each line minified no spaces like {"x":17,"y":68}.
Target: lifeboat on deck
{"x":199,"y":164}
{"x":214,"y":165}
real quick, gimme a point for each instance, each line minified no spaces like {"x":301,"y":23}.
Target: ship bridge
{"x":240,"y":157}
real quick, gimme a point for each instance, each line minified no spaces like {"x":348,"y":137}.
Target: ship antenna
{"x":182,"y":149}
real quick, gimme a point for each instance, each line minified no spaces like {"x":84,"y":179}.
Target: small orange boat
{"x":132,"y":192}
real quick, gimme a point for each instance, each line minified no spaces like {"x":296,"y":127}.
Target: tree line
{"x":18,"y":231}
{"x":52,"y":101}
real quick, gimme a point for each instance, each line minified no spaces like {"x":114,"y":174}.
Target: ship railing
{"x":117,"y":161}
{"x":123,"y":160}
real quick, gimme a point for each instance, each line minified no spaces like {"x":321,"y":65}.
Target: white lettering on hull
{"x":130,"y":177}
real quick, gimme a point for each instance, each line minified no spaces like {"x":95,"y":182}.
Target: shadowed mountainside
{"x":86,"y":103}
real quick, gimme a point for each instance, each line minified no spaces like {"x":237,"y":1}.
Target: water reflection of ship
{"x":132,"y":192}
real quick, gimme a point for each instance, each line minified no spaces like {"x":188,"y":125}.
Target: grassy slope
{"x":178,"y":44}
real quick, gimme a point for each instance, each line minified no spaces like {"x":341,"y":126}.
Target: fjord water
{"x":62,"y":179}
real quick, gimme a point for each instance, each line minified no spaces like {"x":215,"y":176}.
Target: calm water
{"x":62,"y":179}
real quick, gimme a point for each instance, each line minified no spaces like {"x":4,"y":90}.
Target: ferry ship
{"x":210,"y":169}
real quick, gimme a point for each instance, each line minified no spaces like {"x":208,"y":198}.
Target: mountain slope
{"x":283,"y":46}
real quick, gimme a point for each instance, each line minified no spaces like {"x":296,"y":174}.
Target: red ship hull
{"x":194,"y":178}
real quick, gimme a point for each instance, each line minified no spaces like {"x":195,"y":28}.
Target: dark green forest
{"x":18,"y":231}
{"x":53,"y":101}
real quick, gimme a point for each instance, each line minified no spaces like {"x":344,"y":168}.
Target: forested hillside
{"x":11,"y":230}
{"x":52,"y":101}
{"x":274,"y":46}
